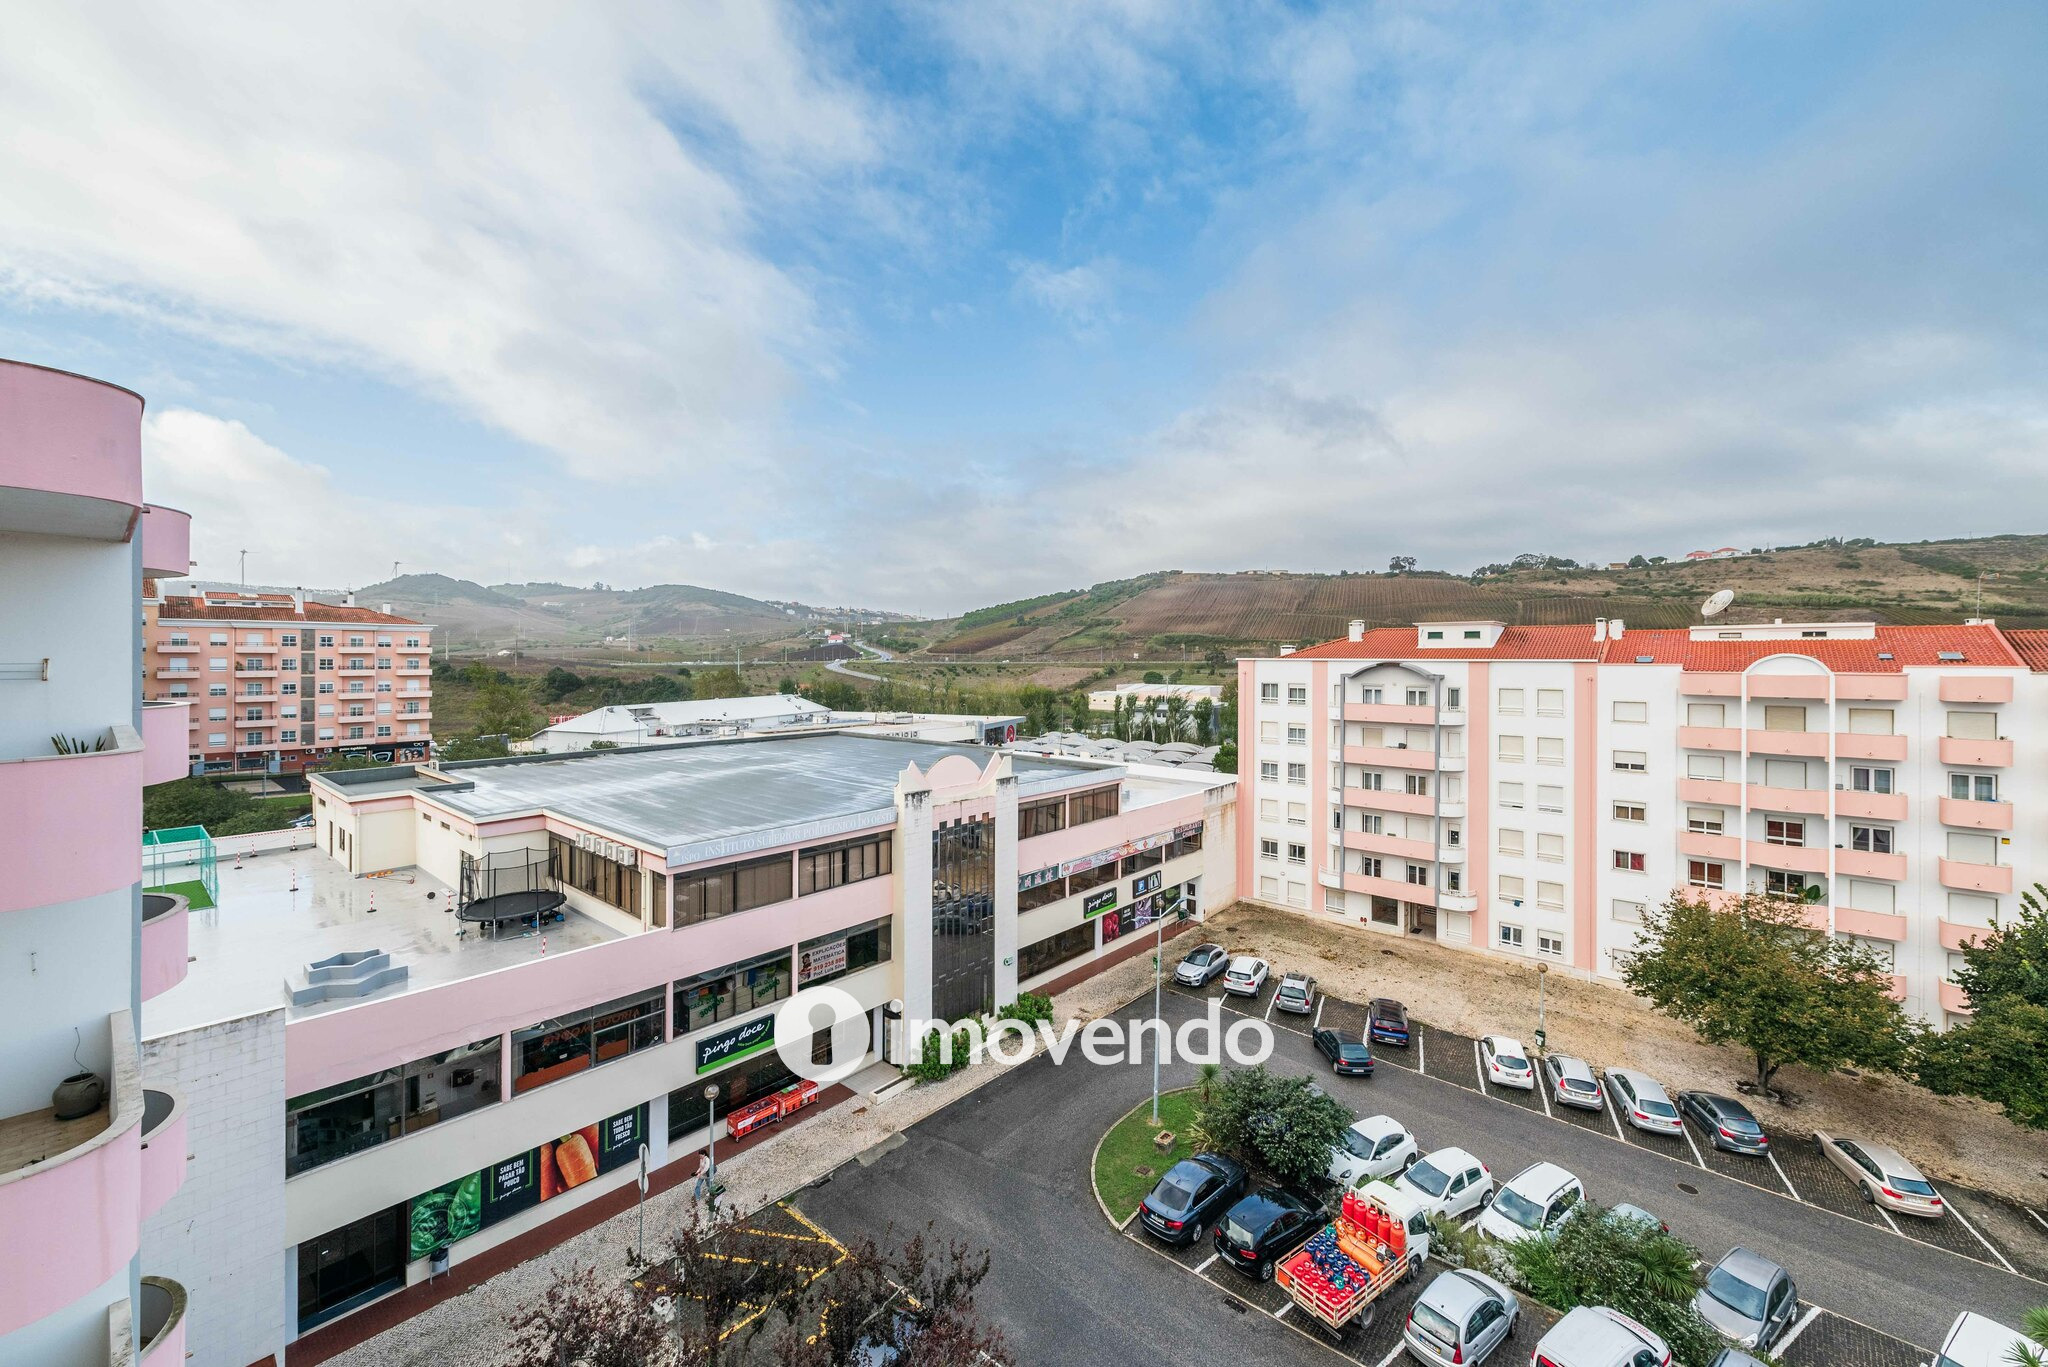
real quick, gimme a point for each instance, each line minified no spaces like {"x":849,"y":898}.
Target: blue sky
{"x":927,"y":306}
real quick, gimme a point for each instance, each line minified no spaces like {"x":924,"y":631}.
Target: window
{"x":1512,"y":887}
{"x":848,"y":861}
{"x":1550,"y":945}
{"x":1970,"y":847}
{"x":1780,"y":832}
{"x":290,"y":638}
{"x":383,"y":730}
{"x":1784,"y":718}
{"x":734,"y":990}
{"x":556,"y":1048}
{"x":1297,"y":695}
{"x":1627,"y":912}
{"x":1297,"y":773}
{"x":1418,"y":697}
{"x":217,"y":738}
{"x":1371,"y":823}
{"x":1044,"y":895}
{"x":1704,"y":820}
{"x":1045,"y":955}
{"x":1630,"y":861}
{"x":610,"y":881}
{"x":1511,"y":796}
{"x":1297,"y":735}
{"x":1453,"y":880}
{"x":217,"y":638}
{"x":1631,"y":761}
{"x":1269,"y":692}
{"x":1385,"y":911}
{"x":1417,"y":785}
{"x":288,"y":736}
{"x":1778,"y":883}
{"x":1269,"y":809}
{"x":704,"y":894}
{"x":1297,"y":854}
{"x":1472,"y":635}
{"x":351,"y":1266}
{"x":1433,"y":635}
{"x":1550,"y":702}
{"x":1510,"y":702}
{"x":1371,"y":867}
{"x":1870,"y":721}
{"x":1549,"y":798}
{"x":1550,"y":895}
{"x":1510,"y":841}
{"x":1631,"y":711}
{"x":1702,"y":873}
{"x":1550,"y":749}
{"x":1510,"y":750}
{"x":1511,"y":937}
{"x":1041,"y":818}
{"x":1713,"y":768}
{"x":1297,"y":814}
{"x":1418,"y":874}
{"x":1371,"y":695}
{"x":1191,"y":843}
{"x":1091,"y":806}
{"x":1372,"y":780}
{"x":351,"y":1116}
{"x":1269,"y":770}
{"x":1336,"y":818}
{"x":216,"y":690}
{"x":1972,"y":787}
{"x":326,"y":663}
{"x":1630,"y":811}
{"x":216,"y":714}
{"x":326,"y":642}
{"x":217,"y":663}
{"x":1269,"y":732}
{"x":1269,"y":849}
{"x":355,"y":642}
{"x":1973,"y":725}
{"x":1865,"y":779}
{"x":1549,"y":847}
{"x":1297,"y":894}
{"x":1454,"y":700}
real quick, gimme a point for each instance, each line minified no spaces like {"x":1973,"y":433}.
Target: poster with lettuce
{"x":445,"y":1214}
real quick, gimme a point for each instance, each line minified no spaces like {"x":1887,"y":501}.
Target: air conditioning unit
{"x":1400,"y":745}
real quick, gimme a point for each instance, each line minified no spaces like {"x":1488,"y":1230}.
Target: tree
{"x":1636,"y":562}
{"x":1401,"y":564}
{"x":1630,"y":1265}
{"x":914,"y":1307}
{"x":1226,"y":757}
{"x":722,"y":682}
{"x":473,"y":747}
{"x":1755,"y":974}
{"x":2001,"y":1053}
{"x":1278,"y":1122}
{"x":191,"y":802}
{"x":785,"y":685}
{"x":1153,"y":676}
{"x":558,"y":683}
{"x":1215,"y":660}
{"x":502,"y":711}
{"x":719,"y":1285}
{"x":579,"y":1319}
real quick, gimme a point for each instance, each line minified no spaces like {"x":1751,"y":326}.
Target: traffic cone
{"x":373,"y":902}
{"x":295,"y":879}
{"x":238,"y":859}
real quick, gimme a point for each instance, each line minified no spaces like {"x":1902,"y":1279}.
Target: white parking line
{"x":1319,"y":1013}
{"x":1812,"y":1314}
{"x":1543,"y":1095}
{"x":1269,"y":1015}
{"x":1281,"y":1313}
{"x":1479,"y":1067}
{"x":1398,"y":1349}
{"x":1888,"y":1219}
{"x":1205,"y":1263}
{"x":2037,"y":1216}
{"x":1696,"y":1156}
{"x":1783,"y":1178}
{"x":1993,"y":1248}
{"x":1422,"y":1059}
{"x":1614,"y":1118}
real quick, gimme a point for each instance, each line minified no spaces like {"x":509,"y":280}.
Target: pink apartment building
{"x":86,"y":950}
{"x":277,"y":682}
{"x":1528,"y":791}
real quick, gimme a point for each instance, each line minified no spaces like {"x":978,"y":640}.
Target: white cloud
{"x":1082,"y":297}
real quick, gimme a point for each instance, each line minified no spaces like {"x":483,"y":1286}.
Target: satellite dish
{"x":1713,"y":606}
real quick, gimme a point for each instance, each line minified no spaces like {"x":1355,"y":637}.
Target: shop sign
{"x":1095,"y":903}
{"x":1038,"y":878}
{"x":1110,"y":856}
{"x":1147,"y":883}
{"x":1183,"y":832}
{"x":821,"y":961}
{"x":715,"y":1051}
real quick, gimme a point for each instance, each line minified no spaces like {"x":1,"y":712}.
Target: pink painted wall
{"x":1479,"y":793}
{"x":95,"y":1201}
{"x":70,"y":827}
{"x":166,"y":542}
{"x":70,"y":435}
{"x":1042,"y":851}
{"x":163,"y":1163}
{"x":165,"y":951}
{"x":166,"y":732}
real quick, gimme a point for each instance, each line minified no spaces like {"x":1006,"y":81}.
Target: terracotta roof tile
{"x":180,"y":608}
{"x":2031,"y":647}
{"x":1515,"y":643}
{"x":1979,"y":646}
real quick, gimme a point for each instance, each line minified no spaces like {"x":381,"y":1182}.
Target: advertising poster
{"x":1095,"y":903}
{"x":1148,"y":883}
{"x":445,"y":1214}
{"x":821,"y":961}
{"x":481,"y":1199}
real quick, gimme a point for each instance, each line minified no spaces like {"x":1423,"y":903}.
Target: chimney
{"x":1286,"y":650}
{"x":1357,"y":632}
{"x":385,"y":609}
{"x":1614,"y":628}
{"x":1599,"y":628}
{"x":348,"y":600}
{"x":298,"y":602}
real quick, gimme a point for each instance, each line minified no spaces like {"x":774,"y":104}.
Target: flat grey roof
{"x":708,"y":801}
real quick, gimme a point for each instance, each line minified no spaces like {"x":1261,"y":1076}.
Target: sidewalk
{"x":469,"y":1329}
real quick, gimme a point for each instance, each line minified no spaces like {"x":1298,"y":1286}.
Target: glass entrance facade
{"x":963,"y":919}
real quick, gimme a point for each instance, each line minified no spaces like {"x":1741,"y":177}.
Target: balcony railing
{"x":1976,"y":816}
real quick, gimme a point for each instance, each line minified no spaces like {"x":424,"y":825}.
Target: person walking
{"x":703,"y":1185}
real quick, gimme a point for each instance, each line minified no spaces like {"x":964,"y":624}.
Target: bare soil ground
{"x":1475,"y":994}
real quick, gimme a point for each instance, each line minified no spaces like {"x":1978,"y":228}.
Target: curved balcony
{"x":1870,"y":688}
{"x":1954,"y":999}
{"x":1984,"y":688}
{"x":1976,"y":816}
{"x":166,"y":940}
{"x":166,"y":542}
{"x":1975,"y":877}
{"x":80,"y":1182}
{"x":1806,"y":801}
{"x":160,"y":1327}
{"x":1873,"y":925}
{"x":163,"y":1148}
{"x":1876,"y":806}
{"x":1390,"y":757}
{"x":1897,"y":990}
{"x":1797,"y":858}
{"x":166,"y":740}
{"x":1858,"y":745}
{"x":1976,"y":754}
{"x":1458,"y":901}
{"x":1870,"y":864}
{"x":1955,"y":935}
{"x":69,"y":823}
{"x":71,"y":448}
{"x":1809,"y":744}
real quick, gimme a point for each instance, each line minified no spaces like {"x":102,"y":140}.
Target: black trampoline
{"x":509,"y":887}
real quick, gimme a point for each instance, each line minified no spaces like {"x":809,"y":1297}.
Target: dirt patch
{"x":1061,"y":676}
{"x":1474,"y":994}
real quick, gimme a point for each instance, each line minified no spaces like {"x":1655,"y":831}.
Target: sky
{"x":923,"y":307}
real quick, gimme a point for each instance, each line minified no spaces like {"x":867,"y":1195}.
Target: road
{"x":1008,"y":1168}
{"x":841,"y":667}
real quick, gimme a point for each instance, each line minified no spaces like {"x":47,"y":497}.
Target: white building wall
{"x":1280,"y":810}
{"x":1619,"y":892}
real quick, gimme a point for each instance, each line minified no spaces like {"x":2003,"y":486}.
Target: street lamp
{"x":711,"y":1143}
{"x":1542,"y":972}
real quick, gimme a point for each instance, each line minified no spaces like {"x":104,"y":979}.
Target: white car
{"x":1594,"y":1336}
{"x":1507,"y":1062}
{"x":1377,"y":1147}
{"x":1449,"y":1181}
{"x":1976,"y":1341}
{"x":1642,"y":1101}
{"x":1246,"y":976}
{"x":1535,"y":1201}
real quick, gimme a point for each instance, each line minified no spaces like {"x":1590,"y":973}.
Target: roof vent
{"x":1950,"y":656}
{"x":1356,"y":631}
{"x":1645,"y":659}
{"x":1286,"y":650}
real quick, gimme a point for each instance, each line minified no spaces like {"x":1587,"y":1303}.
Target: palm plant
{"x":2035,"y":1326}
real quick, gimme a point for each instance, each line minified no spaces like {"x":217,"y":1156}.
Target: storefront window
{"x":1187,"y":844}
{"x":613,"y":883}
{"x":570,"y":1044}
{"x":1049,"y":953}
{"x":363,"y":1112}
{"x":1086,"y":807}
{"x":1044,"y":895}
{"x":865,"y":946}
{"x":351,"y":1266}
{"x":963,"y":919}
{"x":1041,"y":818}
{"x":849,"y":861}
{"x":1149,"y":859}
{"x":705,"y":894}
{"x":730,"y":991}
{"x":740,"y":1085}
{"x":1092,"y":878}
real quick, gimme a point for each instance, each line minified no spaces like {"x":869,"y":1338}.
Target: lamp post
{"x":1542,"y":972}
{"x":1158,"y":977}
{"x":711,"y":1144}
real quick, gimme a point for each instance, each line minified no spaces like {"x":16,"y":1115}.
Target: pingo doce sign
{"x":1107,"y":1043}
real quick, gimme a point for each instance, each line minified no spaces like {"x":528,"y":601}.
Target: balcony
{"x":166,"y":931}
{"x":1976,"y":816}
{"x":1719,"y":792}
{"x":68,"y":823}
{"x":1451,"y":854}
{"x":272,"y":696}
{"x":1381,"y":800}
{"x":1956,"y":935}
{"x":357,"y":671}
{"x":1975,"y":877}
{"x":1805,"y":801}
{"x":421,"y":671}
{"x":1897,"y":990}
{"x":1811,"y":744}
{"x":1857,"y":745}
{"x":1870,"y":864}
{"x":258,"y":648}
{"x":1789,"y":685}
{"x":422,"y":715}
{"x":1458,"y":901}
{"x":78,"y":1182}
{"x":1981,"y":688}
{"x":1377,"y":713}
{"x":1705,"y":685}
{"x":1870,"y":688}
{"x":185,"y":674}
{"x":1392,"y":846}
{"x":166,"y":741}
{"x":1390,"y":887}
{"x":160,"y":1328}
{"x":1875,"y":806}
{"x":1451,"y":809}
{"x":1954,"y":1000}
{"x":1872,"y":925}
{"x":163,"y":1148}
{"x":1709,"y":738}
{"x":1796,"y":858}
{"x":243,"y":672}
{"x":1699,"y":845}
{"x":166,"y":542}
{"x":75,"y":445}
{"x":1390,"y":757}
{"x":1976,"y":754}
{"x":176,"y":647}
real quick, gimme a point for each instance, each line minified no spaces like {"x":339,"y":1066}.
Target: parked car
{"x":1532,"y":1203}
{"x":1978,"y":1341}
{"x":1726,"y":1122}
{"x":1201,"y":965}
{"x":1883,"y":1176}
{"x":1622,"y":1210}
{"x":1263,"y":1228}
{"x":1572,"y":1082}
{"x":302,"y":823}
{"x":1296,"y":993}
{"x":1643,"y":1102}
{"x":1349,"y":1056}
{"x":1459,"y":1318}
{"x":1377,"y":1147}
{"x":1594,"y":1336}
{"x":1749,"y":1299}
{"x":1193,"y":1193}
{"x":1735,"y":1357}
{"x":1450,"y":1181}
{"x":1387,"y":1021}
{"x":1507,"y":1062}
{"x":1246,"y":976}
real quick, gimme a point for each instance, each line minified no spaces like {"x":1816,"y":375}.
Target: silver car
{"x":1297,"y":993}
{"x":1461,"y":1317}
{"x":1202,"y":964}
{"x":1749,"y":1299}
{"x":1572,"y":1082}
{"x":1595,"y":1336}
{"x":1883,"y":1176}
{"x":1643,"y":1102}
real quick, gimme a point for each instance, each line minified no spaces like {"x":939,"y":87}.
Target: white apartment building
{"x":1530,"y":790}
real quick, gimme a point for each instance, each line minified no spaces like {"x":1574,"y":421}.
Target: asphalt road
{"x":1008,"y":1168}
